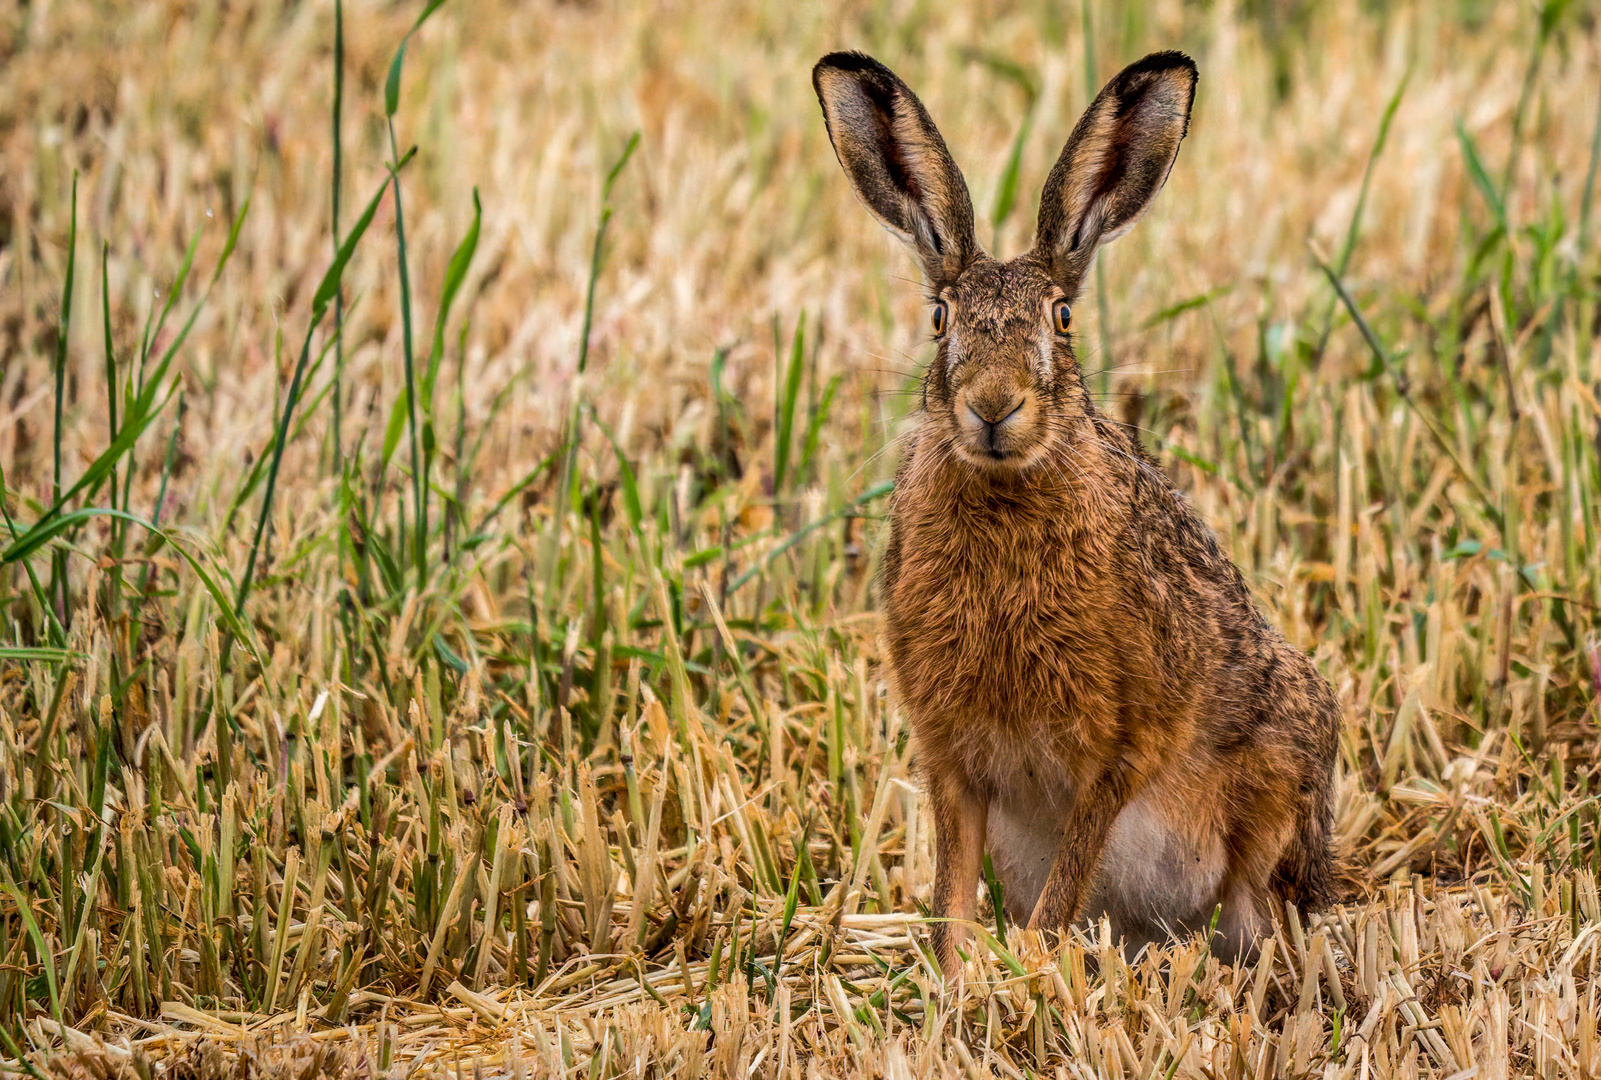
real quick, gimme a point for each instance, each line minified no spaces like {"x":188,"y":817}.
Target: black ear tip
{"x":851,"y":61}
{"x":1162,"y":63}
{"x":866,"y":74}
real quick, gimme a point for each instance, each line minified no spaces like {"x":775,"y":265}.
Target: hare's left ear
{"x":1115,"y":162}
{"x":897,"y":161}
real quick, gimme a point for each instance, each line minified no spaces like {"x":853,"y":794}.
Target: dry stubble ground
{"x":435,"y":807}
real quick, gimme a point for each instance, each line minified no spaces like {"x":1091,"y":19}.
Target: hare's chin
{"x":1020,"y":460}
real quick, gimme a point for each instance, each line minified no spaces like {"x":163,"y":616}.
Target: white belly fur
{"x":1154,"y":878}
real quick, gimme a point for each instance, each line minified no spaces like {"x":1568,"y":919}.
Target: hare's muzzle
{"x":996,"y":421}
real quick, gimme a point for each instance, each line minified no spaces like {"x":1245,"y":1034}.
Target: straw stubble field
{"x":494,"y":685}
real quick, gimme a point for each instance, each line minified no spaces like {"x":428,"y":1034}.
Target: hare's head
{"x":1005,"y":385}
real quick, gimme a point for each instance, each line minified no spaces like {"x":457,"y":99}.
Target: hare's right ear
{"x":1115,"y":162}
{"x":897,"y":161}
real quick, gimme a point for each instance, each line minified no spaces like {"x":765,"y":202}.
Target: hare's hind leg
{"x":1241,"y":923}
{"x":1259,"y":841}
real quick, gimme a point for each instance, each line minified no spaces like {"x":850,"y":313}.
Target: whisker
{"x":880,"y":452}
{"x":902,"y":353}
{"x":1127,"y":368}
{"x":1126,"y":424}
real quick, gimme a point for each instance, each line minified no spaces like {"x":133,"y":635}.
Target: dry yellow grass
{"x":466,"y":819}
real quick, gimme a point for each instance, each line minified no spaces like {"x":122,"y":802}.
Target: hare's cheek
{"x":1054,"y":366}
{"x":952,"y":355}
{"x":936,"y":391}
{"x":945,"y":373}
{"x":1065,"y":374}
{"x":1045,"y":365}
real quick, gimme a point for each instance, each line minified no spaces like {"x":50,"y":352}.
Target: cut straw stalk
{"x":1454,"y":626}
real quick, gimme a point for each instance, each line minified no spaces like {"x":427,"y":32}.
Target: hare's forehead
{"x":996,"y":297}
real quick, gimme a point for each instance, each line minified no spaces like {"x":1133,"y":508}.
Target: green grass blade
{"x":60,"y":587}
{"x":232,"y":241}
{"x":392,"y":80}
{"x":46,"y":956}
{"x":336,"y":184}
{"x":617,"y":166}
{"x":788,"y":395}
{"x":58,"y":633}
{"x":1006,"y":192}
{"x":419,"y":491}
{"x":1190,"y":303}
{"x":814,"y":426}
{"x":110,"y":353}
{"x":1367,"y":175}
{"x":997,"y":900}
{"x":878,"y":490}
{"x":78,"y":517}
{"x":394,"y":429}
{"x":1383,"y":362}
{"x":62,"y":331}
{"x":516,"y":489}
{"x":329,"y":285}
{"x":43,"y":654}
{"x":1587,"y":200}
{"x":455,"y":273}
{"x":408,"y":356}
{"x":153,"y":335}
{"x":320,"y":301}
{"x":138,"y":419}
{"x":1343,"y":262}
{"x":1477,"y":173}
{"x":597,"y":254}
{"x":630,"y":483}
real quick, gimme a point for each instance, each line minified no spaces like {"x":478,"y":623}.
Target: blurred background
{"x":732,"y":213}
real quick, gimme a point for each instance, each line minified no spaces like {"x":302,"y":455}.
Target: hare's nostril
{"x":990,"y":414}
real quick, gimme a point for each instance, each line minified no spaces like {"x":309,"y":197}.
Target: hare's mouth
{"x":1014,"y":455}
{"x":1000,"y":435}
{"x":1000,"y":461}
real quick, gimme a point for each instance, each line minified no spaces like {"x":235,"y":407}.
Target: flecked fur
{"x":1097,"y":700}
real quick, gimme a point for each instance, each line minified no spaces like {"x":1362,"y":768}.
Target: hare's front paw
{"x":947,"y":937}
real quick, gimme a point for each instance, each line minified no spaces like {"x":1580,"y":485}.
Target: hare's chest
{"x":993,"y":626}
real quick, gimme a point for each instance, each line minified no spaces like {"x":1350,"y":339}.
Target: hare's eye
{"x":1061,"y":316}
{"x":938,"y":318}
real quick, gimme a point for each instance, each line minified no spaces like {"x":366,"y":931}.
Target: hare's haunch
{"x":1097,"y":701}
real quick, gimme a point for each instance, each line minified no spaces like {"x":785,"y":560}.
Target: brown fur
{"x":1097,"y":700}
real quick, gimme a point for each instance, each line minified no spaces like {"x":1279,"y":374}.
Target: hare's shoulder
{"x":1214,"y":623}
{"x":1176,"y":548}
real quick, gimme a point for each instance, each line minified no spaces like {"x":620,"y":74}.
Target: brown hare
{"x":1097,"y":700}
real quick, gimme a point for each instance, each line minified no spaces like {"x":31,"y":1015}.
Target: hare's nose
{"x":992,"y":412}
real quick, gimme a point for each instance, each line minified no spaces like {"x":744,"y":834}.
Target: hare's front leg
{"x":1084,"y":833}
{"x":960,"y":817}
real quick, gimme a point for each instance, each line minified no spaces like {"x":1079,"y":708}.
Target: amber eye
{"x":938,"y":318}
{"x":1062,"y":317}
